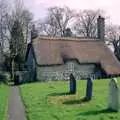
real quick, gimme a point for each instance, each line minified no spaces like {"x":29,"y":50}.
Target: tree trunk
{"x":12,"y":69}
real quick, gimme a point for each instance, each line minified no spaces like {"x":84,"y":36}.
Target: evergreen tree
{"x":17,"y":44}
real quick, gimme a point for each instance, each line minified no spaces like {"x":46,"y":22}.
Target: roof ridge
{"x":82,"y":39}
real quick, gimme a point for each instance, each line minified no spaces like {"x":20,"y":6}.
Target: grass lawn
{"x":51,"y":101}
{"x":3,"y":101}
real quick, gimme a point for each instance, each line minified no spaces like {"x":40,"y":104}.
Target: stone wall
{"x":62,"y":72}
{"x":23,"y":76}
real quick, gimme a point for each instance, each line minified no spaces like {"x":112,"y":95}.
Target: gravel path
{"x":16,"y":109}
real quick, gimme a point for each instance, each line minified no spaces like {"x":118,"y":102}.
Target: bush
{"x":4,"y":77}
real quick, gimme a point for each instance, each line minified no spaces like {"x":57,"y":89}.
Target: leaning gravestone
{"x":113,"y":95}
{"x":89,"y":89}
{"x":72,"y":84}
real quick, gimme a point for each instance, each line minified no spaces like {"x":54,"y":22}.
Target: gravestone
{"x":89,"y":89}
{"x":113,"y":95}
{"x":72,"y":84}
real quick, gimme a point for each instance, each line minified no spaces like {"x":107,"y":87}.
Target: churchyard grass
{"x":3,"y":101}
{"x":51,"y":101}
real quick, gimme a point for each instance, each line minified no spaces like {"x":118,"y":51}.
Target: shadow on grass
{"x":71,"y":102}
{"x":60,"y":94}
{"x":96,"y":112}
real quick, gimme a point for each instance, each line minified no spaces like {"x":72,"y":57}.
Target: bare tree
{"x":45,"y":28}
{"x":86,"y":23}
{"x":4,"y":8}
{"x":17,"y":29}
{"x":23,"y":15}
{"x":112,"y":32}
{"x":7,"y":18}
{"x":113,"y":38}
{"x":57,"y":20}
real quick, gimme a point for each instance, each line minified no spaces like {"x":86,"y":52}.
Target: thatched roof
{"x":54,"y":50}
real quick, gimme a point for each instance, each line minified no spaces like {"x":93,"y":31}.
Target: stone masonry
{"x":62,"y":72}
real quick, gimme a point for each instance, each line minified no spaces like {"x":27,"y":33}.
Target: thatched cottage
{"x":55,"y":58}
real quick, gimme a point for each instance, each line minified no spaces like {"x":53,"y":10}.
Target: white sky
{"x":112,"y":7}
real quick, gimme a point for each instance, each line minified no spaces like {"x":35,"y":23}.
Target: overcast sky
{"x":112,"y":7}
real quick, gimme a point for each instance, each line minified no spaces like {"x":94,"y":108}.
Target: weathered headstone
{"x":113,"y":95}
{"x":72,"y":84}
{"x":89,"y":89}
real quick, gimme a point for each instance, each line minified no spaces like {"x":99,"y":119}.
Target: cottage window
{"x":71,"y":67}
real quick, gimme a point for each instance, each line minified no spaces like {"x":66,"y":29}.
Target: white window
{"x":71,"y":67}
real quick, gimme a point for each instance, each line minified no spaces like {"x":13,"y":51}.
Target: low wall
{"x":23,"y":77}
